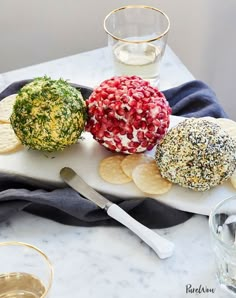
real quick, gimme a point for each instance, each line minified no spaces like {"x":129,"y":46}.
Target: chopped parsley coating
{"x":196,"y":154}
{"x":48,"y":114}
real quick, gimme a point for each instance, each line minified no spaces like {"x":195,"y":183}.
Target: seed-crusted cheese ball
{"x":196,"y":154}
{"x":48,"y":114}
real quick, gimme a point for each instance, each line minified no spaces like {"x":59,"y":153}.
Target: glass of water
{"x":25,"y":271}
{"x":137,"y":36}
{"x":222,"y":222}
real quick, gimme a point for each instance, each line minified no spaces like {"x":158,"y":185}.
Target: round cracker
{"x":148,"y":179}
{"x":8,"y":140}
{"x":227,"y":125}
{"x":233,"y":179}
{"x":110,"y":170}
{"x":6,"y":107}
{"x":130,"y":162}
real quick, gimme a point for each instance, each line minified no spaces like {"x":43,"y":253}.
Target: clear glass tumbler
{"x":137,"y":36}
{"x":222,"y":222}
{"x":25,"y":271}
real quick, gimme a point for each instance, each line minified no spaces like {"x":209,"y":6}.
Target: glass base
{"x":154,"y":82}
{"x":229,"y":289}
{"x":226,"y":286}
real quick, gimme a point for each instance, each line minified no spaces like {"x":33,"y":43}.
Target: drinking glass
{"x":222,"y":222}
{"x":137,"y":36}
{"x":25,"y":271}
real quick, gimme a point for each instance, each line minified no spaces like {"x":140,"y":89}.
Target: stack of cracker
{"x":8,"y":141}
{"x":139,"y":168}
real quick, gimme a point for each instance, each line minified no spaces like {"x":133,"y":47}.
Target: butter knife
{"x":163,"y":247}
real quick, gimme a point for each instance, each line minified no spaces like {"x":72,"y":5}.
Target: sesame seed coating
{"x":196,"y":154}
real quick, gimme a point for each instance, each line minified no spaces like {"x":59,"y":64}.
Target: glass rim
{"x":18,"y":243}
{"x":136,"y":41}
{"x":211,"y":218}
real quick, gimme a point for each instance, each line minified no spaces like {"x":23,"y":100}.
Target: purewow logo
{"x":190,"y":289}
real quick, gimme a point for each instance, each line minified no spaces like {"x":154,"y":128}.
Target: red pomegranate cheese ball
{"x":128,"y":115}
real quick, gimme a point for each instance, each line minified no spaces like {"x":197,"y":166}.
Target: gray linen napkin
{"x":193,"y":99}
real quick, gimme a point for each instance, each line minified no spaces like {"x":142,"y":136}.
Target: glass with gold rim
{"x":137,"y":36}
{"x":25,"y":271}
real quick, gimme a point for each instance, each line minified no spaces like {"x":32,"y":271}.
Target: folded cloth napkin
{"x":192,"y":99}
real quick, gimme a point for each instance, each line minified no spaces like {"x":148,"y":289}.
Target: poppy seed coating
{"x":196,"y":154}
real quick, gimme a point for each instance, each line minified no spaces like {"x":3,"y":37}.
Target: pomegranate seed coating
{"x":128,"y":115}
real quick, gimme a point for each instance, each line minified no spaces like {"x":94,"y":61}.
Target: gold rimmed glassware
{"x":137,"y":36}
{"x":25,"y":271}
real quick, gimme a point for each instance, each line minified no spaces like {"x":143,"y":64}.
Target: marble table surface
{"x":111,"y":261}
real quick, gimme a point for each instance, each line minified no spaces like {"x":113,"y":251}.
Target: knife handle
{"x":163,"y":247}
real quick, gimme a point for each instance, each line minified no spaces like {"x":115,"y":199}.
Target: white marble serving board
{"x":85,"y":156}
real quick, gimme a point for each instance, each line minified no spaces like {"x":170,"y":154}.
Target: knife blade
{"x":163,"y":247}
{"x":77,"y":183}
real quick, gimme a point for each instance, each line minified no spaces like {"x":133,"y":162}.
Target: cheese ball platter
{"x":122,"y":136}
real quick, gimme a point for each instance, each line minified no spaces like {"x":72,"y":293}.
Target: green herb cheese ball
{"x":196,"y":154}
{"x":48,"y":114}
